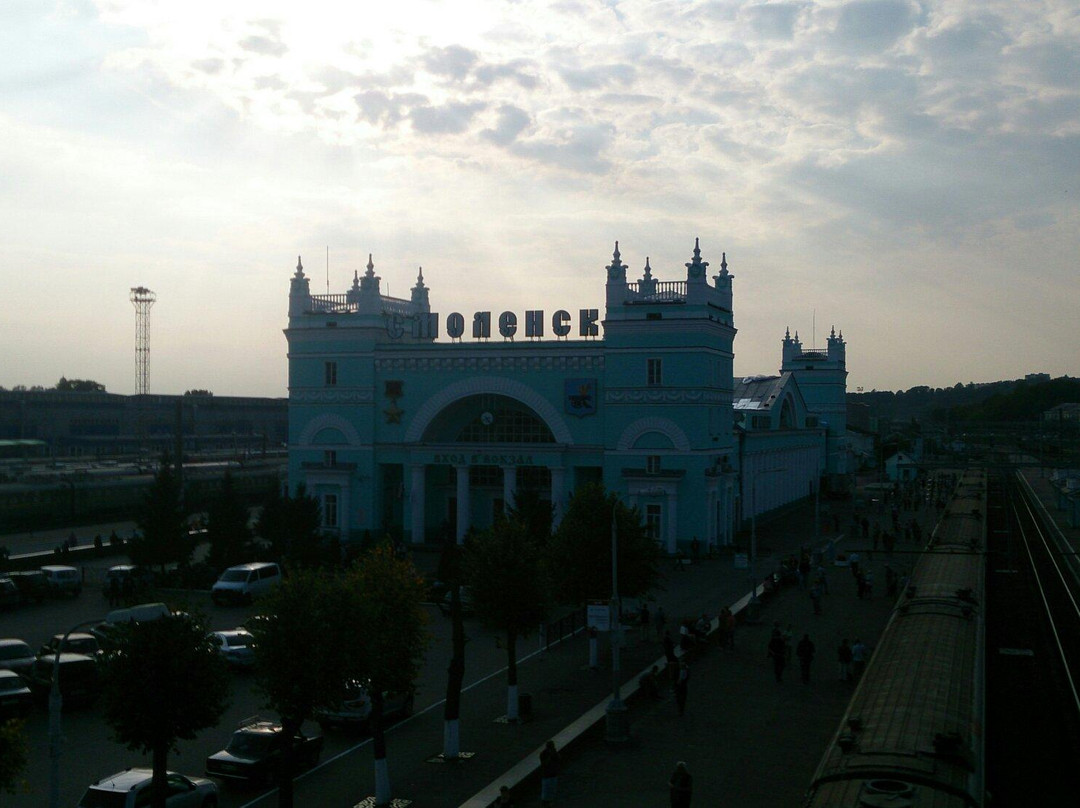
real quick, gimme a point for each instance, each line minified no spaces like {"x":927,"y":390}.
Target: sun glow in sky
{"x":906,"y":171}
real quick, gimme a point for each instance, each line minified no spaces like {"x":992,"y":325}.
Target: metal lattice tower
{"x":142,"y":298}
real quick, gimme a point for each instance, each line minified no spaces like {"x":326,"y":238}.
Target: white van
{"x":63,"y":580}
{"x":245,"y":582}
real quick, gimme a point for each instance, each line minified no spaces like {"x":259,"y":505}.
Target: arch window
{"x":489,"y":419}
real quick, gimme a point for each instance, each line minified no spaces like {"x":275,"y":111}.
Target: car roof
{"x":75,"y":635}
{"x":125,"y":780}
{"x":255,"y":565}
{"x":13,"y":641}
{"x":232,"y":632}
{"x":67,"y":657}
{"x":58,"y":568}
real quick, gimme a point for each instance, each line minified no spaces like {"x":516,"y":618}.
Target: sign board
{"x":598,"y":615}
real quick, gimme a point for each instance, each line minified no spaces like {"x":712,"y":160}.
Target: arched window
{"x":488,"y":418}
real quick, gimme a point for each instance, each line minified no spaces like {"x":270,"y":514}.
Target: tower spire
{"x":370,"y":267}
{"x":299,"y":268}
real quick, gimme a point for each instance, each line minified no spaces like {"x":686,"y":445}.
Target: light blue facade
{"x":415,"y":422}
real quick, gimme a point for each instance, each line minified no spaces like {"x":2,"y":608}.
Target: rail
{"x":657,"y":291}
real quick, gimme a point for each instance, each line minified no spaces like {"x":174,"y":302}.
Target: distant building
{"x":102,"y":424}
{"x":901,"y":467}
{"x":1063,"y":413}
{"x":1037,"y":377}
{"x":397,"y":432}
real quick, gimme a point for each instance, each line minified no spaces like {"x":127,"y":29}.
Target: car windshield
{"x":238,"y":640}
{"x":10,"y":682}
{"x":234,"y":576}
{"x":15,"y":651}
{"x":250,"y":744}
{"x":95,"y":798}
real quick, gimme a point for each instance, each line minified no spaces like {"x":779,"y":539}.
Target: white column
{"x":416,"y":499}
{"x":509,"y":486}
{"x":672,"y":521}
{"x":558,"y":495}
{"x":463,"y":519}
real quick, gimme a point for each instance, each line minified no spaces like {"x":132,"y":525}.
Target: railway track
{"x":1033,"y":652}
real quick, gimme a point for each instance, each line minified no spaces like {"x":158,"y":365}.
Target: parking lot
{"x":89,"y":753}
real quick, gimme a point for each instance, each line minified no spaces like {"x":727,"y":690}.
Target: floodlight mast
{"x":142,"y":298}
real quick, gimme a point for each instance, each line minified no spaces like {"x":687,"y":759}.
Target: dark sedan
{"x":254,"y":753}
{"x":15,"y":696}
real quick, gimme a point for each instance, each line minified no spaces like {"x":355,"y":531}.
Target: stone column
{"x":558,"y":495}
{"x":672,"y":521}
{"x":509,"y":486}
{"x":463,"y":518}
{"x":416,"y":500}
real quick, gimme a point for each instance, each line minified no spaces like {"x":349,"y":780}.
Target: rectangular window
{"x":654,"y":373}
{"x":652,"y":464}
{"x":330,"y":510}
{"x":331,"y":374}
{"x":653,"y":516}
{"x":329,"y":457}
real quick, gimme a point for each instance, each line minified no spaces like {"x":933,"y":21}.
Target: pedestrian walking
{"x":682,"y":687}
{"x":549,"y":773}
{"x":843,"y":656}
{"x":695,"y":549}
{"x":859,"y":654}
{"x":659,"y":619}
{"x":821,"y":579}
{"x":669,"y":655}
{"x":778,"y":654}
{"x":681,"y":786}
{"x":788,"y":635}
{"x":805,"y":653}
{"x":727,"y":620}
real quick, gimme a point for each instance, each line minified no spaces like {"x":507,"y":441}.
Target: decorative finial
{"x":420,"y":278}
{"x":841,"y":335}
{"x":697,"y":249}
{"x":787,"y":332}
{"x":616,"y":254}
{"x":796,"y":336}
{"x":648,"y":269}
{"x":299,"y":267}
{"x":832,"y":332}
{"x":370,"y":266}
{"x":723,"y":262}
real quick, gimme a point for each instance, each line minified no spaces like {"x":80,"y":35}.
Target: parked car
{"x":354,"y":710}
{"x":16,"y":655}
{"x":466,"y":602}
{"x":15,"y":697}
{"x":131,"y":789}
{"x":245,"y":582}
{"x":62,"y":580}
{"x":254,"y":753}
{"x":79,"y":678}
{"x":78,"y":642}
{"x":10,"y":597}
{"x":31,"y":584}
{"x":106,"y":630}
{"x":236,"y":646}
{"x":130,"y":579}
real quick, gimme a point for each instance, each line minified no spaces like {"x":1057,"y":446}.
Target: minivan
{"x":245,"y":582}
{"x":63,"y":580}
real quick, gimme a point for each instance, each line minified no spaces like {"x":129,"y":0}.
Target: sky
{"x":904,"y":171}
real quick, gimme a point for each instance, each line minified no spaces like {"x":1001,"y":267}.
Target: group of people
{"x":779,"y":651}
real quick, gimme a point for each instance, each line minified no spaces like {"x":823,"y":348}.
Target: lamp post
{"x":753,"y":605}
{"x":55,"y":703}
{"x":616,"y":725}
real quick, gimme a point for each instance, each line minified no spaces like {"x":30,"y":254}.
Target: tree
{"x":227,"y":527}
{"x":164,"y":535}
{"x":12,"y":754}
{"x":506,"y":575}
{"x":581,"y":549}
{"x":450,"y":572}
{"x":387,"y":646}
{"x":79,"y":386}
{"x":165,"y":683}
{"x":302,"y":637}
{"x":293,"y":526}
{"x":198,"y":392}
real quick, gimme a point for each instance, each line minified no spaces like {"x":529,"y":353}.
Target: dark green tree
{"x":302,"y":663}
{"x":386,"y":645}
{"x":12,"y":754}
{"x":165,"y":683}
{"x":450,"y":573}
{"x":534,"y":513}
{"x":79,"y":386}
{"x":163,"y":528}
{"x":227,"y":527}
{"x":507,"y":579}
{"x":580,"y":550}
{"x":293,"y":527}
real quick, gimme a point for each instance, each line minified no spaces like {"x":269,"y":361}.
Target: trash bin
{"x":525,"y":705}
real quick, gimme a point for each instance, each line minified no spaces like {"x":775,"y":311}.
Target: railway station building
{"x":416,"y":421}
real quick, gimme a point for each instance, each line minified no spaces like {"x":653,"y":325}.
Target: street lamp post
{"x":616,"y":726}
{"x":55,"y":704}
{"x":753,"y":605}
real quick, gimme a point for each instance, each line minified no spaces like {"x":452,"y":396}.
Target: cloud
{"x":448,"y":119}
{"x":512,"y":121}
{"x":578,"y":148}
{"x":872,"y":25}
{"x":597,"y":76}
{"x":453,"y":62}
{"x":772,"y":20}
{"x":515,"y":70}
{"x":209,"y":66}
{"x":386,"y":109}
{"x":263,"y":45}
